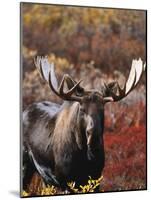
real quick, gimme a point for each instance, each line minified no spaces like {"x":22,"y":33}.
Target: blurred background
{"x":97,"y":45}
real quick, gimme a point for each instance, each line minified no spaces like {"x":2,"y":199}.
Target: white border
{"x":9,"y":99}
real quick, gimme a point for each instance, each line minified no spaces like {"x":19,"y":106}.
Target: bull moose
{"x":65,"y":142}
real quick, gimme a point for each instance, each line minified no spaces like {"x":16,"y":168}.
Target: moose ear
{"x":110,"y":87}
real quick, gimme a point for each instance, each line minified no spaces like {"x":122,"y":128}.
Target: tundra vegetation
{"x":97,"y":45}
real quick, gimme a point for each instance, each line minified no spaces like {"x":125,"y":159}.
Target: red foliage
{"x":125,"y":167}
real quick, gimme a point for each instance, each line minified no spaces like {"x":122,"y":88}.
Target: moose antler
{"x":47,"y":72}
{"x":113,"y":92}
{"x":135,"y":74}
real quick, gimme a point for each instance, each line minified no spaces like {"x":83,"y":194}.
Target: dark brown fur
{"x":57,"y":145}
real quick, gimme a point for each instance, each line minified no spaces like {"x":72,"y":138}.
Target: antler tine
{"x":46,"y":69}
{"x":51,"y":85}
{"x":135,"y":74}
{"x":72,"y":90}
{"x":37,"y":63}
{"x":61,"y":86}
{"x":61,"y":93}
{"x":47,"y":72}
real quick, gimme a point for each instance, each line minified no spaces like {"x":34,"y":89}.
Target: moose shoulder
{"x":65,"y":142}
